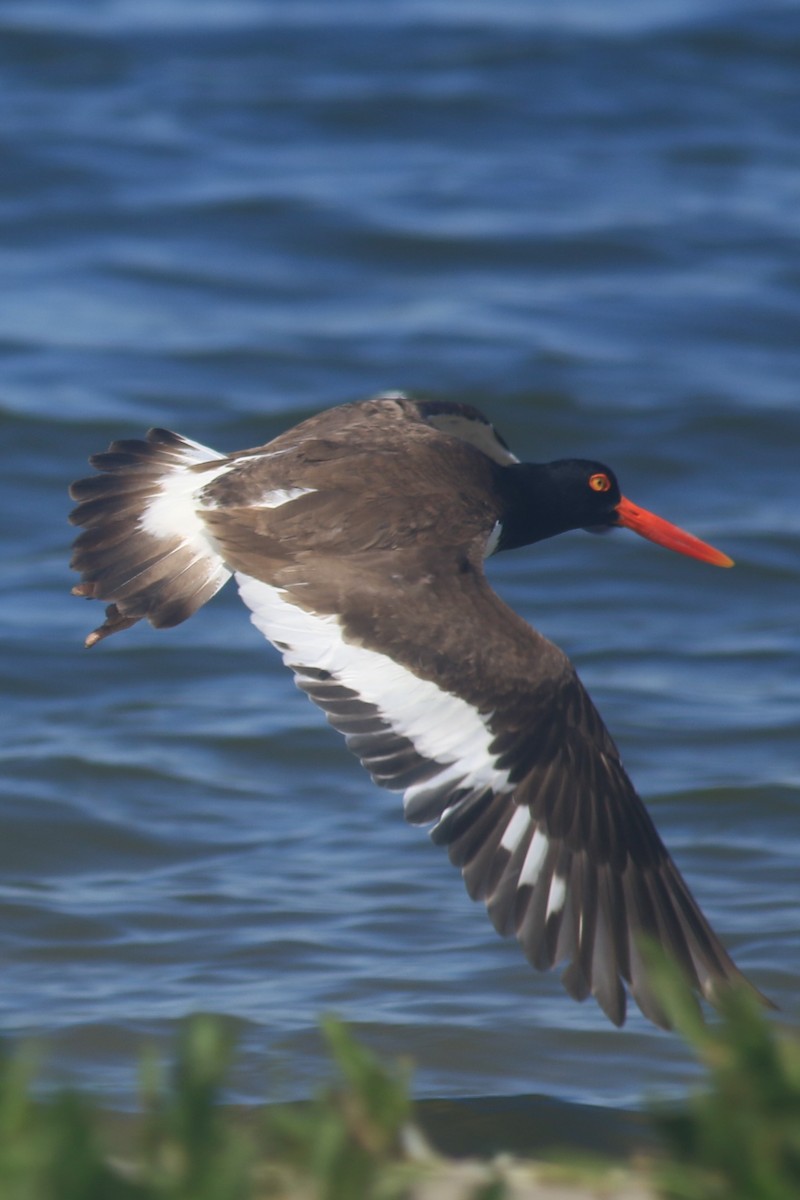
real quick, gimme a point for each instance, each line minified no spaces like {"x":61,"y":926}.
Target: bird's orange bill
{"x":648,"y":525}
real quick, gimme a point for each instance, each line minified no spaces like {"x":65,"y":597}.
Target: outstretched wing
{"x":506,"y":753}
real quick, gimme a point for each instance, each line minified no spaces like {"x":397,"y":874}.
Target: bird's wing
{"x":499,"y":744}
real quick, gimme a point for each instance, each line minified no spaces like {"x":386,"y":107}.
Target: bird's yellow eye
{"x":599,"y":482}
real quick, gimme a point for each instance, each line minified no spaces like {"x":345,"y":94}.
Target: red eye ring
{"x":600,"y":482}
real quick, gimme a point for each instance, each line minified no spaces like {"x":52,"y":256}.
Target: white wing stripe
{"x":534,"y":859}
{"x":442,"y":727}
{"x":557,"y":895}
{"x":281,"y":496}
{"x":516,"y":829}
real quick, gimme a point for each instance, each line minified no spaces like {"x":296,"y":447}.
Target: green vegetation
{"x":737,"y":1139}
{"x":351,"y":1141}
{"x":345,"y":1145}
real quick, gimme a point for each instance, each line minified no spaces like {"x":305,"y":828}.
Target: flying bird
{"x":357,"y":540}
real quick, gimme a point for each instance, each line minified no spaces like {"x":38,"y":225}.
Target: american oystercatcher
{"x":357,"y":540}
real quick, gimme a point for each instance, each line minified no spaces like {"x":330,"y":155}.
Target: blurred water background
{"x":221,"y":217}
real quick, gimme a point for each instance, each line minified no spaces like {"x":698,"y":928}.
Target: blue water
{"x":222,"y":217}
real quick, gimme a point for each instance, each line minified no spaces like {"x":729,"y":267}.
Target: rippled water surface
{"x":223,"y":217}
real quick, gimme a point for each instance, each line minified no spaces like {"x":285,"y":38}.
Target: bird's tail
{"x":144,"y":546}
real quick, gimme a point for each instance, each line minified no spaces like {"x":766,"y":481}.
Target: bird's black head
{"x":544,"y":499}
{"x":540,"y":500}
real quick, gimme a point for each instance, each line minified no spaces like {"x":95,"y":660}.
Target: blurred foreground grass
{"x":737,"y":1138}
